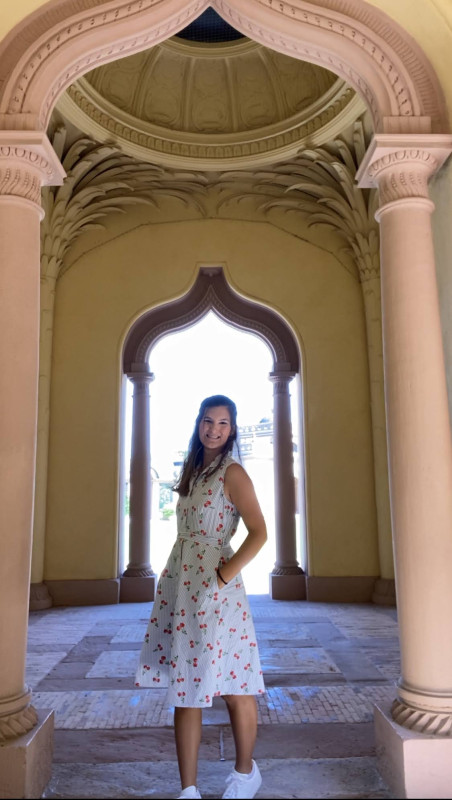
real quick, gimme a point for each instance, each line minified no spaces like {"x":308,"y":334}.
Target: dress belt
{"x":200,"y":538}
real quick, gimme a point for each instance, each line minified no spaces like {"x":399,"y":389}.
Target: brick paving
{"x":325,"y":667}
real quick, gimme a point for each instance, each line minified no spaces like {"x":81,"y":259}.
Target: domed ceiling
{"x":209,"y":98}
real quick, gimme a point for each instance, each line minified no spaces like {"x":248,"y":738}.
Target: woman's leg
{"x":187,"y":729}
{"x":243,"y":715}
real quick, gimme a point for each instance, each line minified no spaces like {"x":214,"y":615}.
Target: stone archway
{"x":61,"y":41}
{"x":211,"y":291}
{"x":42,"y":56}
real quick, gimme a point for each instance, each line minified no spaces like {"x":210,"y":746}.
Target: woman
{"x":200,"y":641}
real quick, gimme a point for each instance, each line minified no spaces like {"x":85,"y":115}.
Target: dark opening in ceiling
{"x":209,"y":28}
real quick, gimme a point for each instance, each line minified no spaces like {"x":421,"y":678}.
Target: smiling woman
{"x":200,"y":642}
{"x":214,"y":431}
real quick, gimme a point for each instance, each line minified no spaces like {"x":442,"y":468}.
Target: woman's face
{"x":214,"y":429}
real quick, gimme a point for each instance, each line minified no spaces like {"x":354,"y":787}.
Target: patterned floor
{"x":325,"y":667}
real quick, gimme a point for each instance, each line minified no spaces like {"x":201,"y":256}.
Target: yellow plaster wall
{"x":13,"y":13}
{"x":104,"y":291}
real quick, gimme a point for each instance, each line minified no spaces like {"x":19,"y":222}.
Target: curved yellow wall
{"x":97,"y":300}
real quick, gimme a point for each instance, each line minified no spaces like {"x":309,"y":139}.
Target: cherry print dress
{"x":200,"y":641}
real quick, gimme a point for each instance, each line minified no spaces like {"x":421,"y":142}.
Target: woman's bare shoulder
{"x":236,"y":475}
{"x":235,"y":470}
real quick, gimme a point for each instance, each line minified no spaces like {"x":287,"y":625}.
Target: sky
{"x":208,"y":358}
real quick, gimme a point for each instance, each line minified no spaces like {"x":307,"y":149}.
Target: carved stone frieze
{"x":26,"y":163}
{"x":187,"y":149}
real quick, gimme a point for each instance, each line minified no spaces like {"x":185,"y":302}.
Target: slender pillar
{"x":287,"y":579}
{"x":384,"y":592}
{"x":138,"y":580}
{"x":26,"y":162}
{"x":420,"y":467}
{"x":40,"y":597}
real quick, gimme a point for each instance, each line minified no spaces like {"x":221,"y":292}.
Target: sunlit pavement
{"x":325,"y":667}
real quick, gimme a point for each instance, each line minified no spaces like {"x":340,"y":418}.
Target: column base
{"x":138,"y":589}
{"x":39,"y":597}
{"x":26,"y":762}
{"x":84,"y":592}
{"x":353,"y":589}
{"x":287,"y":587}
{"x":412,"y":764}
{"x":384,"y":593}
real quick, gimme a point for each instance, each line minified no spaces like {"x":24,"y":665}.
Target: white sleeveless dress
{"x":200,"y":641}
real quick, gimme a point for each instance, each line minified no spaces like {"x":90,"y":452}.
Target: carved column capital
{"x":401,"y":166}
{"x":141,"y":377}
{"x":27,"y":162}
{"x":280,"y":381}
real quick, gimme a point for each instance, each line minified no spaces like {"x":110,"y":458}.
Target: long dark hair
{"x":194,"y":457}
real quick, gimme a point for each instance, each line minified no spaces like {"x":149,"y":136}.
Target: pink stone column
{"x":419,"y":451}
{"x":26,"y":162}
{"x":287,"y":580}
{"x":138,"y":580}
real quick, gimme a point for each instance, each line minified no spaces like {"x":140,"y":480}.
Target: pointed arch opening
{"x":211,"y":294}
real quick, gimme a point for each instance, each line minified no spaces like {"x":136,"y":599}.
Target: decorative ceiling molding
{"x":63,"y":40}
{"x":101,"y":180}
{"x":222,"y":89}
{"x":320,"y":184}
{"x":317,"y":187}
{"x":321,"y":121}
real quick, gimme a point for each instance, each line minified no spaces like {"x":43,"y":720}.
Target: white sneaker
{"x":189,"y":793}
{"x":241,"y":785}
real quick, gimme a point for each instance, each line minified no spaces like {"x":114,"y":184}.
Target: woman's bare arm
{"x":239,"y":489}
